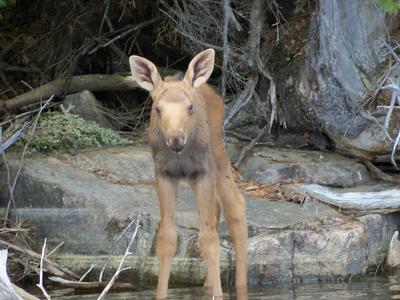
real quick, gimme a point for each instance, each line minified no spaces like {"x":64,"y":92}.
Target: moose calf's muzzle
{"x":176,"y":143}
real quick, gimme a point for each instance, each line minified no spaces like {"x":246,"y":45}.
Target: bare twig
{"x":124,"y":34}
{"x":250,"y":146}
{"x":105,"y":16}
{"x":120,"y":269}
{"x":40,"y":284}
{"x":14,"y":184}
{"x":55,"y":249}
{"x":87,"y":272}
{"x":3,"y":77}
{"x":243,"y":99}
{"x":227,"y":11}
{"x":394,"y":149}
{"x":390,"y":110}
{"x":3,"y":155}
{"x":114,"y":244}
{"x":238,"y":135}
{"x":234,"y":20}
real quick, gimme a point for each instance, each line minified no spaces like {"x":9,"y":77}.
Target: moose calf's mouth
{"x":176,"y":144}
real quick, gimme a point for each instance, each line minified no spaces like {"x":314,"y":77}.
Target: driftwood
{"x":59,"y":87}
{"x":7,"y":290}
{"x":371,"y":199}
{"x":93,"y":285}
{"x":24,"y":294}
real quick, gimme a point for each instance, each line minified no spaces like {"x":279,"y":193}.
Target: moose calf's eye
{"x":190,"y":109}
{"x":158,"y":109}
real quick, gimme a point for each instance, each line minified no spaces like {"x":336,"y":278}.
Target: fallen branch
{"x":12,"y":139}
{"x":92,"y":285}
{"x":24,"y":294}
{"x":52,"y":267}
{"x":92,"y":82}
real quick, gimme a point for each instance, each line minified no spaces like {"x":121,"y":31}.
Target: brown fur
{"x":203,"y":162}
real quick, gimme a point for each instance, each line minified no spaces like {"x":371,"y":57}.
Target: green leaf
{"x":390,"y":6}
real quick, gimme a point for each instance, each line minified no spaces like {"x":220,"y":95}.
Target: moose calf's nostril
{"x":177,"y":143}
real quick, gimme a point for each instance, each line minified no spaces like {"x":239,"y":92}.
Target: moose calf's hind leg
{"x":217,"y":212}
{"x":235,"y":214}
{"x":166,"y":237}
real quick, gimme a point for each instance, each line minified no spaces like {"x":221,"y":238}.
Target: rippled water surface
{"x":375,"y":288}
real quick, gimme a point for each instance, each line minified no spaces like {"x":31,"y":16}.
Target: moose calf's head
{"x":175,"y":105}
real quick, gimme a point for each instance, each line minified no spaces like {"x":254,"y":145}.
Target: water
{"x":374,"y":288}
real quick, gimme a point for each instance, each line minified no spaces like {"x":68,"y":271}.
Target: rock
{"x":381,"y":228}
{"x":317,"y":249}
{"x":270,"y":165}
{"x":87,"y":198}
{"x":393,"y":259}
{"x":87,"y":107}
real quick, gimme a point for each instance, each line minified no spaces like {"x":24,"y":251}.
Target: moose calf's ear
{"x":144,"y":72}
{"x":200,"y":68}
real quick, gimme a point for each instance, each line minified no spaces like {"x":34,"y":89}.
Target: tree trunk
{"x":341,"y":71}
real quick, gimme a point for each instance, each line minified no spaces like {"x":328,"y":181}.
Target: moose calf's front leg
{"x":166,"y":237}
{"x":204,"y":188}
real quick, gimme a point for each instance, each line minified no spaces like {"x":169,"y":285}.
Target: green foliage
{"x":63,"y":130}
{"x":391,"y":6}
{"x":6,"y":2}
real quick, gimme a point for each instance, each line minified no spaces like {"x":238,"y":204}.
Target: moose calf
{"x":186,"y":143}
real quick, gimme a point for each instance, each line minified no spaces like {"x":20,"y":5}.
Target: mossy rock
{"x":61,"y":130}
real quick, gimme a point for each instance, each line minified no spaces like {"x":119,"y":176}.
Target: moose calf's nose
{"x":176,"y":143}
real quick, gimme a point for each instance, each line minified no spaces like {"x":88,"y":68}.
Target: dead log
{"x":379,"y":198}
{"x":60,"y":87}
